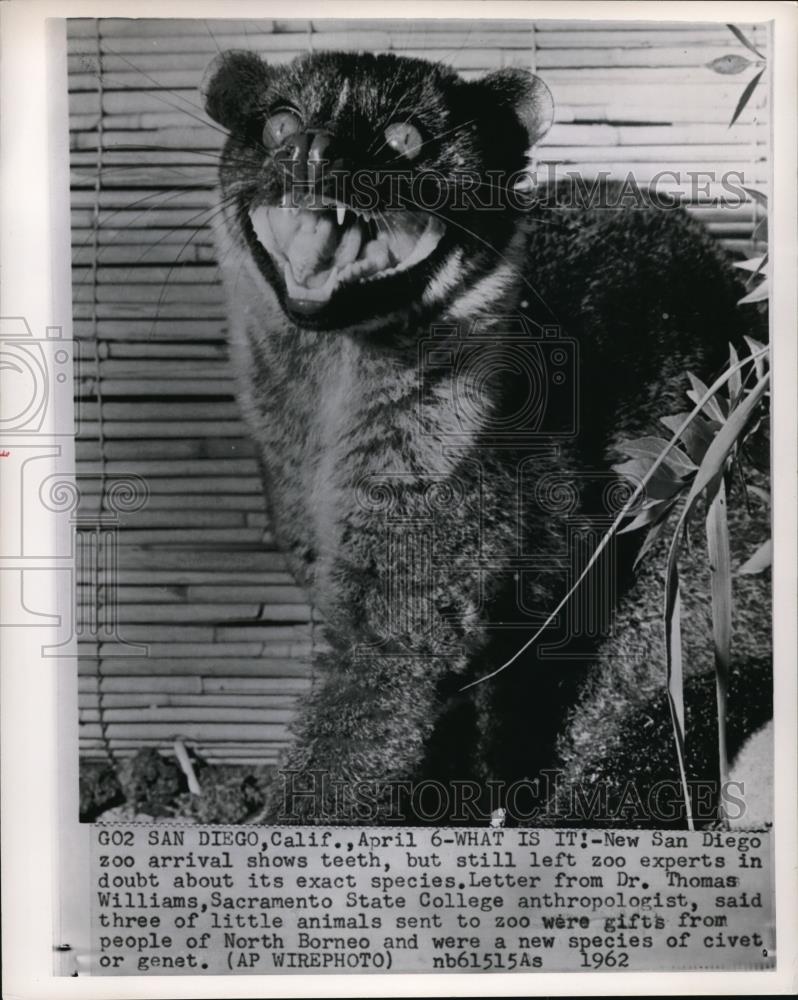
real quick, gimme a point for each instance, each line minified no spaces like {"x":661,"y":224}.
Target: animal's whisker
{"x":447,"y":220}
{"x":149,"y":147}
{"x":165,"y":196}
{"x":193,"y":110}
{"x":176,"y":262}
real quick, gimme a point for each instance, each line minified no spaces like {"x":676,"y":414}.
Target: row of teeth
{"x":363,"y":269}
{"x":340,"y":210}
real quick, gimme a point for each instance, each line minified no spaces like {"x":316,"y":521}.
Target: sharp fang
{"x":340,"y":211}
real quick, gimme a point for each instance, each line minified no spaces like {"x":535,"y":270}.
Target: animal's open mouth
{"x":320,"y":250}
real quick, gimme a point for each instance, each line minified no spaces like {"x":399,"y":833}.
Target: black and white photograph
{"x":417,"y":361}
{"x":400,"y":467}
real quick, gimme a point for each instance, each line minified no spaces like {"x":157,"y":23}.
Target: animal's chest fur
{"x":336,"y":421}
{"x":341,"y":423}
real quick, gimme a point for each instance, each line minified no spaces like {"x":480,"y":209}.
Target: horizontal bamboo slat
{"x":154,"y":298}
{"x":260,"y":732}
{"x":159,"y":368}
{"x":245,"y":537}
{"x":216,"y":663}
{"x":193,"y":52}
{"x":140,"y":429}
{"x":158,"y":699}
{"x":254,"y":758}
{"x":249,"y":754}
{"x":87,"y":386}
{"x":86,"y":450}
{"x":150,"y":254}
{"x":182,"y":273}
{"x":110,"y":202}
{"x":191,"y":714}
{"x":159,"y":28}
{"x":161,"y":519}
{"x":269,"y":692}
{"x":202,"y":646}
{"x":124,"y":576}
{"x":151,"y":331}
{"x":136,"y":558}
{"x":216,"y":613}
{"x":251,"y":635}
{"x":276,"y":594}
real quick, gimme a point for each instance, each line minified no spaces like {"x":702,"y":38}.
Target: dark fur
{"x":359,"y":439}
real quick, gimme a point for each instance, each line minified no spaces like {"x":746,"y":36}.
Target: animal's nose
{"x":309,"y":155}
{"x":320,"y":146}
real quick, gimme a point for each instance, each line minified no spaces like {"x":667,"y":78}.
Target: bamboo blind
{"x":197,"y":578}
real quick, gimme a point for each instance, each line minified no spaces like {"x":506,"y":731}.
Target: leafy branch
{"x":646,"y":478}
{"x":758,"y":265}
{"x":732,"y":64}
{"x":701,"y":465}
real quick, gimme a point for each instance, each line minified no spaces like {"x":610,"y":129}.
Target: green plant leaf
{"x":752,"y":264}
{"x":760,"y":232}
{"x":721,"y":593}
{"x":675,"y":690}
{"x":729,"y":65}
{"x":758,"y":196}
{"x":736,"y":379}
{"x":709,"y":479}
{"x":662,"y":485}
{"x":756,"y":265}
{"x":654,"y":532}
{"x":696,"y":436}
{"x":652,"y":447}
{"x":644,"y":519}
{"x":759,"y":294}
{"x":712,"y":406}
{"x":680,"y":462}
{"x":741,"y":37}
{"x":745,"y":97}
{"x":760,"y":353}
{"x":622,"y":514}
{"x":759,"y":561}
{"x":649,"y":515}
{"x":725,"y":440}
{"x":763,"y":267}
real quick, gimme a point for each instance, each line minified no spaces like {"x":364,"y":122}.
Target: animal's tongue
{"x":312,"y":241}
{"x":312,"y":246}
{"x":316,"y":250}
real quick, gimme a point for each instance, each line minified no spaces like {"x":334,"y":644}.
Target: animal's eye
{"x":405,"y":139}
{"x":280,"y":126}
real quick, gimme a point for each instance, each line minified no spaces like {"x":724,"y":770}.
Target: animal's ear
{"x":527,"y":96}
{"x":231,"y":86}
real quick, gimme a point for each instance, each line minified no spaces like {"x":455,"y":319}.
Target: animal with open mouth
{"x":435,"y":372}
